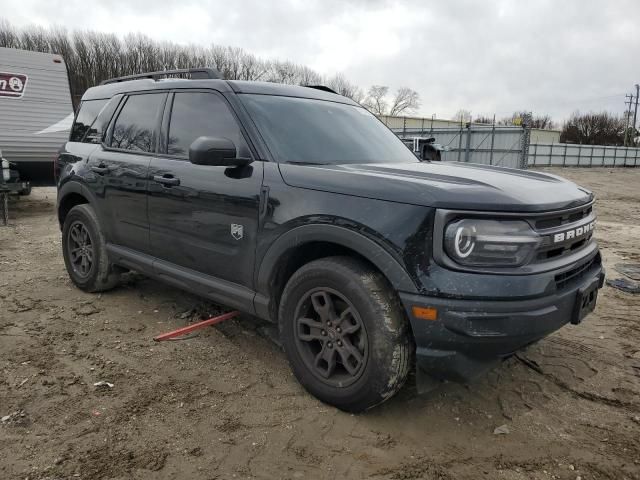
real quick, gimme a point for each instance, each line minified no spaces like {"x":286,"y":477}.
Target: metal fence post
{"x":493,"y":139}
{"x":525,"y":140}
{"x":615,"y":155}
{"x":626,"y":150}
{"x":550,"y":152}
{"x":467,"y":151}
{"x":404,"y":126}
{"x":460,"y":141}
{"x":591,"y":157}
{"x":564,"y":156}
{"x":535,"y":153}
{"x":579,"y":154}
{"x":422,"y":128}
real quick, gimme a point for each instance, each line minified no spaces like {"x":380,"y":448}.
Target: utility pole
{"x":635,"y":111}
{"x":627,"y":113}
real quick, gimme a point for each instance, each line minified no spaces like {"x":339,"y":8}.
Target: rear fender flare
{"x":73,"y":186}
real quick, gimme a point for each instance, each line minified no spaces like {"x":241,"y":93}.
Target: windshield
{"x":303,"y":130}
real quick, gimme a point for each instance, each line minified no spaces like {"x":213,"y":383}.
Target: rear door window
{"x":201,"y":114}
{"x":89,"y":110}
{"x":135,"y":127}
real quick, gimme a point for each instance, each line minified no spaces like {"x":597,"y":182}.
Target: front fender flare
{"x":369,"y":249}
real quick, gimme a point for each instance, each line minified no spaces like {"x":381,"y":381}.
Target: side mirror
{"x":215,"y":151}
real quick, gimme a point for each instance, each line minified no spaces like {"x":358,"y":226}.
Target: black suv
{"x":298,"y":206}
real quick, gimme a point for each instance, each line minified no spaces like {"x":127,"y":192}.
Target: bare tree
{"x":537,"y":121}
{"x":593,"y":129}
{"x":342,"y":86}
{"x":462,"y":116}
{"x":483,"y":119}
{"x":8,"y":36}
{"x":404,"y":101}
{"x":375,"y":100}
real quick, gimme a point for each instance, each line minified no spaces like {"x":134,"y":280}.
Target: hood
{"x":448,"y":185}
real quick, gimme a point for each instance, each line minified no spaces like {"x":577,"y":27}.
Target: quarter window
{"x":201,"y":114}
{"x":135,"y":126}
{"x":87,"y":114}
{"x":98,"y":127}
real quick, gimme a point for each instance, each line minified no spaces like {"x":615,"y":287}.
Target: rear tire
{"x":85,"y":253}
{"x":345,"y":333}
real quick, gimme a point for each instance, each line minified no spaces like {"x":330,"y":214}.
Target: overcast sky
{"x":487,"y":56}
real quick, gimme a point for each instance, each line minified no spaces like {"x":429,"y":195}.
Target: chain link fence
{"x":489,"y":145}
{"x":571,"y":155}
{"x":510,"y":146}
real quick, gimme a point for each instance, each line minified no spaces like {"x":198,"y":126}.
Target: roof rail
{"x":322,"y":87}
{"x":194,"y":74}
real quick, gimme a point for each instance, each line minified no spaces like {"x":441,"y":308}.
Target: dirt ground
{"x":223,"y":404}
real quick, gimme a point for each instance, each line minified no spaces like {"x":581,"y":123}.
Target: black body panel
{"x":190,"y":223}
{"x":443,"y":185}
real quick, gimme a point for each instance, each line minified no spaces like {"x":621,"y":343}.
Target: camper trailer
{"x":36,"y":114}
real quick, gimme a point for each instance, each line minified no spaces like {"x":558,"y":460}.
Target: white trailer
{"x":36,"y":114}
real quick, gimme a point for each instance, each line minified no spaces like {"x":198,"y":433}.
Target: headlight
{"x":490,"y":243}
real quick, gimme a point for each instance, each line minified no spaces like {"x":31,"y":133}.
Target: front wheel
{"x":345,"y":333}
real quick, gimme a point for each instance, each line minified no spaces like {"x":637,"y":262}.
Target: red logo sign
{"x":12,"y":84}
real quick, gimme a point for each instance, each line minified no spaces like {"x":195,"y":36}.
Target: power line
{"x":587,"y":100}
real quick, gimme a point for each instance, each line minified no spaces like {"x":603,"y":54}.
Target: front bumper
{"x":469,"y":336}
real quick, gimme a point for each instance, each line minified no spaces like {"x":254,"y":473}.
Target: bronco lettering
{"x":574,"y":233}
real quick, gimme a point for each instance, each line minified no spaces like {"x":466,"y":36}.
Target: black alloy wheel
{"x":80,"y":249}
{"x":331,"y":337}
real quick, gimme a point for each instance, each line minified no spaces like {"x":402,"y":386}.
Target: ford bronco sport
{"x":296,"y":205}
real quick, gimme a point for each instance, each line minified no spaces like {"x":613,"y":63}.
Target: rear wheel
{"x":85,"y":253}
{"x":345,"y":333}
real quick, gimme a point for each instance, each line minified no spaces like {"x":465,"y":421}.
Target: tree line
{"x":92,"y":57}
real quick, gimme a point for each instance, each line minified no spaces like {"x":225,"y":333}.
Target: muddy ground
{"x":223,"y":403}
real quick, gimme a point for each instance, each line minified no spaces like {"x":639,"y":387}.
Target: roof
{"x":237,"y":86}
{"x":269,"y":88}
{"x":19,"y":58}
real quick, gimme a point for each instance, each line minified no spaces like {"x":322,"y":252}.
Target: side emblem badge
{"x":237,"y":231}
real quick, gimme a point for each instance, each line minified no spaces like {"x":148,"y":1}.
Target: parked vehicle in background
{"x":36,"y":114}
{"x":297,"y":205}
{"x":425,"y":148}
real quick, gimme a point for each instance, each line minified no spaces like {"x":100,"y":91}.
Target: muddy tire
{"x":85,"y":253}
{"x":345,"y":333}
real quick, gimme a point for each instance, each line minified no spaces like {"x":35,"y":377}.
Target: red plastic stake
{"x":196,"y":326}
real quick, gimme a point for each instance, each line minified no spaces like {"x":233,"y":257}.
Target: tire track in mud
{"x":586,"y":395}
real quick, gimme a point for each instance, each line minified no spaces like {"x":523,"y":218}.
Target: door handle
{"x":167,"y":180}
{"x":100,"y":169}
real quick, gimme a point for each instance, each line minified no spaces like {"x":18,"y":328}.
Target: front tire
{"x":85,"y":253}
{"x":345,"y":333}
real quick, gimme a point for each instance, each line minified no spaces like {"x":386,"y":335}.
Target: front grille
{"x":569,"y":247}
{"x":574,"y":225}
{"x":562,"y":218}
{"x":563,"y":279}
